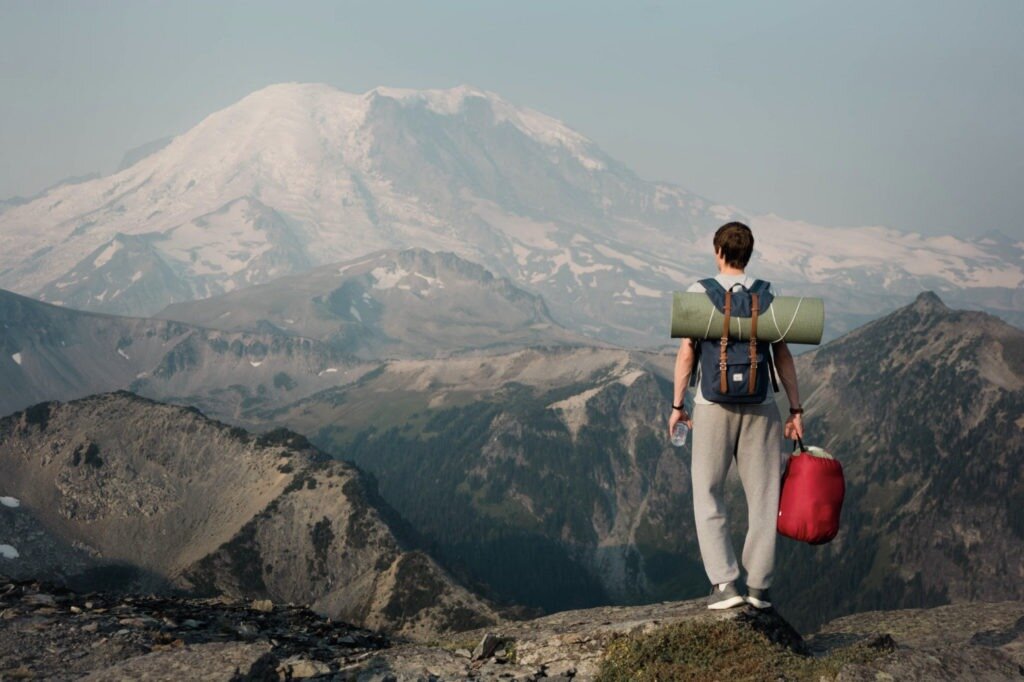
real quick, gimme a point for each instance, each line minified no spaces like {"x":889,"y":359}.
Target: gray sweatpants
{"x":752,"y":434}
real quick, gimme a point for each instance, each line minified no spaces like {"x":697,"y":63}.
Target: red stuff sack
{"x":812,"y":494}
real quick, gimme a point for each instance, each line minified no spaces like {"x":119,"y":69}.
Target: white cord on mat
{"x":791,"y":321}
{"x":707,"y":330}
{"x":772,"y":308}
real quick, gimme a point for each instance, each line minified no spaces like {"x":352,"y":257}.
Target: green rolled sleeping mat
{"x":793,"y":319}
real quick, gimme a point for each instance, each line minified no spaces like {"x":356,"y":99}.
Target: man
{"x":749,"y":433}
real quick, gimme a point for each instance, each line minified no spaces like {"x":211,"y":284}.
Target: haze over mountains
{"x":51,"y":352}
{"x":299,"y":175}
{"x":565,"y":449}
{"x":543,"y":473}
{"x":428,"y":284}
{"x":270,"y":345}
{"x":409,"y":303}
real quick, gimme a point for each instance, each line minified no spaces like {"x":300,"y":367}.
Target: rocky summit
{"x":118,"y":492}
{"x":49,"y":632}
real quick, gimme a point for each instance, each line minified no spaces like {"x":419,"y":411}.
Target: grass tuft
{"x":723,"y":650}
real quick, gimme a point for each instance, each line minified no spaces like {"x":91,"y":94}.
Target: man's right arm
{"x":684,"y":365}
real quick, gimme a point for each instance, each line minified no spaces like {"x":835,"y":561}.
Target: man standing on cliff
{"x":750,"y":433}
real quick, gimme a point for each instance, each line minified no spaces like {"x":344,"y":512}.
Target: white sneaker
{"x":759,"y":599}
{"x":724,"y":596}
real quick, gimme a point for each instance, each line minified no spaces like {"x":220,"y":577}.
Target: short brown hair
{"x":736,"y":242}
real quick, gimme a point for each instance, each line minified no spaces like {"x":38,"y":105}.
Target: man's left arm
{"x":786,"y":369}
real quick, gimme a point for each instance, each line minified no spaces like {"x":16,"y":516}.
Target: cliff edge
{"x":49,"y":632}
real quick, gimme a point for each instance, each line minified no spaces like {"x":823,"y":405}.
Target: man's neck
{"x":726,"y":270}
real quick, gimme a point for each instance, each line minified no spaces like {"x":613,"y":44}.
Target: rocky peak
{"x":97,"y":478}
{"x":929,"y":302}
{"x":921,"y":408}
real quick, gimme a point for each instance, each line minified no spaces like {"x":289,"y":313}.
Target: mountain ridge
{"x":574,"y":455}
{"x":923,"y":408}
{"x":247,"y":516}
{"x":395,"y":302}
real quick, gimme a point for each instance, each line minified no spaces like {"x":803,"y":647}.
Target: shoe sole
{"x":726,"y":603}
{"x":758,"y":604}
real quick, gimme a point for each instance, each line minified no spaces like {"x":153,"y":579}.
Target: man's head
{"x":734,"y":242}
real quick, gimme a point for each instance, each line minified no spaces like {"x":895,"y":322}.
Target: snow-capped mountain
{"x":298,"y":175}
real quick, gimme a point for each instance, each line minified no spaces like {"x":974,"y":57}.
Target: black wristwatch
{"x":681,"y":407}
{"x":796,"y":410}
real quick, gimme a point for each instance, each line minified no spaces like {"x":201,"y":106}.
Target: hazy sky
{"x":904,"y":113}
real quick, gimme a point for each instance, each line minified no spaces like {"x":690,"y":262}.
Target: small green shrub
{"x":721,"y":650}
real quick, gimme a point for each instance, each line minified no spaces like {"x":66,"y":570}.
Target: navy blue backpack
{"x":733,"y":371}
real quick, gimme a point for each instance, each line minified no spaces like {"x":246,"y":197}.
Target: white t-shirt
{"x":729,"y":281}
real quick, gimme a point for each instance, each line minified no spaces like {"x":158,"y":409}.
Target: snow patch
{"x":641,"y":290}
{"x":541,"y":127}
{"x":630,"y":377}
{"x":255,"y":363}
{"x":565,"y":258}
{"x":631,"y":261}
{"x":123,"y":354}
{"x":106,"y":254}
{"x":329,"y":370}
{"x":391,"y":277}
{"x":137,"y":276}
{"x":387,"y":277}
{"x":16,"y":357}
{"x":573,"y":409}
{"x":355,"y":313}
{"x":222,"y":243}
{"x":344,"y":268}
{"x":8,"y":552}
{"x":12,"y":502}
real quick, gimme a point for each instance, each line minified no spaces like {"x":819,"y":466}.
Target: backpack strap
{"x":715,"y":291}
{"x":723,"y":357}
{"x":712,"y":285}
{"x":759,"y":286}
{"x":753,"y":341}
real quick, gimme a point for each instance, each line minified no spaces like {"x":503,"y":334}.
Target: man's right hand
{"x":675,"y":418}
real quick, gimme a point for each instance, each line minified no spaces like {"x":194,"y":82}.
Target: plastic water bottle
{"x":679,"y":434}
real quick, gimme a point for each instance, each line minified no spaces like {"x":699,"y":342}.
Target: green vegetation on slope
{"x":722,"y":650}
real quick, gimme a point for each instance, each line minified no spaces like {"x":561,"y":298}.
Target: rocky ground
{"x":48,"y":632}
